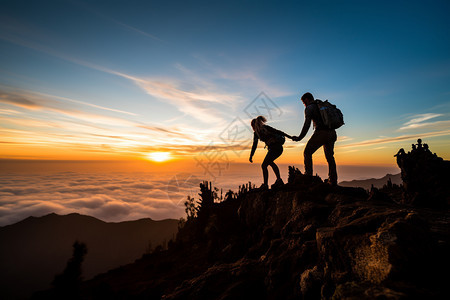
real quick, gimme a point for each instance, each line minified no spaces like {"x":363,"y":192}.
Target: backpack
{"x":272,"y":138}
{"x":332,"y":116}
{"x":275,"y":139}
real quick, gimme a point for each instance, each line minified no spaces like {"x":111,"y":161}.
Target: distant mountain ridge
{"x":376,"y":182}
{"x":33,"y":250}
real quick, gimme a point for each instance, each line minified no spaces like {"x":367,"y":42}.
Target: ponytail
{"x":258,"y":125}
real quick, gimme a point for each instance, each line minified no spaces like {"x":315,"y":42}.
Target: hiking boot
{"x":278,"y":183}
{"x":331,"y":182}
{"x":263,"y":187}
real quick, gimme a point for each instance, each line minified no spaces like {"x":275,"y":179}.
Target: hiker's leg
{"x":313,"y":144}
{"x":276,"y":170}
{"x":275,"y":152}
{"x":264,"y":165}
{"x":328,"y":149}
{"x":272,"y":154}
{"x":265,"y":173}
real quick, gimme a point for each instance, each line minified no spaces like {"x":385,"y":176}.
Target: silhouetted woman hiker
{"x":274,"y":140}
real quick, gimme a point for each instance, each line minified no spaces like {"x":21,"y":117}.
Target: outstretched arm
{"x":305,"y":128}
{"x":255,"y":144}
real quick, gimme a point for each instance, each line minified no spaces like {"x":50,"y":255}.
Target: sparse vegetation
{"x":191,"y":208}
{"x":66,"y":285}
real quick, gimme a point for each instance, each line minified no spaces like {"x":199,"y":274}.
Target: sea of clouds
{"x":108,"y":196}
{"x":123,"y":196}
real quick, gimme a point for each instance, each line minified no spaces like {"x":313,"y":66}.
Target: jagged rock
{"x":311,"y":282}
{"x":425,"y":177}
{"x":357,"y":291}
{"x":246,"y":278}
{"x":384,"y":255}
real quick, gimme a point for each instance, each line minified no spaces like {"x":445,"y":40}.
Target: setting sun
{"x":159,"y":156}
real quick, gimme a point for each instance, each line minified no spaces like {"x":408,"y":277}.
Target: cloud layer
{"x":110,"y":197}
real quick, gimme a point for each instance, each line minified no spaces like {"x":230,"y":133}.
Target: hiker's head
{"x":307,"y":98}
{"x":258,"y":123}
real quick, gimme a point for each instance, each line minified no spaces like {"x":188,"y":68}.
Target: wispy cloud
{"x":9,"y":112}
{"x":24,"y":98}
{"x":146,"y":34}
{"x":55,"y":124}
{"x":245,"y":76}
{"x":109,"y":18}
{"x":418,"y":121}
{"x":400,"y":138}
{"x":437,"y":125}
{"x":18,"y":100}
{"x":36,"y":101}
{"x":196,"y":104}
{"x":87,"y":104}
{"x":84,"y":130}
{"x":344,"y":138}
{"x":198,"y":101}
{"x":422,"y":117}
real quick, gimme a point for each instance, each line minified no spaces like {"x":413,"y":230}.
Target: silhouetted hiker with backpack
{"x":274,"y":140}
{"x":326,"y":118}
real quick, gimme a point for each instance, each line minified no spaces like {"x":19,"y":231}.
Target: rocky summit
{"x":425,"y":176}
{"x":304,"y":240}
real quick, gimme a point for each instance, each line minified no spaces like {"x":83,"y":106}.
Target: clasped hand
{"x":294,"y":138}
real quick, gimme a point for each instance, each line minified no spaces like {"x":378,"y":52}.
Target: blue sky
{"x":134,"y":71}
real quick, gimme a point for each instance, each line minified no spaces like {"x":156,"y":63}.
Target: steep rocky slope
{"x":312,"y":242}
{"x":304,"y":240}
{"x":34,"y":250}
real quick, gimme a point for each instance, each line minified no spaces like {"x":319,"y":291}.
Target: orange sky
{"x":357,"y":154}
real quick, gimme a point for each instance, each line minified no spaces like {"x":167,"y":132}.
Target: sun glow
{"x":159,"y":156}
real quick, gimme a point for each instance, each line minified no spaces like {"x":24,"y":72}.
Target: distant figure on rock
{"x":419,"y":144}
{"x":323,"y":136}
{"x":425,"y":177}
{"x":274,"y":140}
{"x":400,"y":154}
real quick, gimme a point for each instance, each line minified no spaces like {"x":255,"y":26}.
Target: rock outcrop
{"x":305,"y":240}
{"x":425,"y":176}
